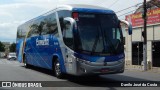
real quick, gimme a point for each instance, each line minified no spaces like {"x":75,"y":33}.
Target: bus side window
{"x":29,"y":34}
{"x":52,"y":25}
{"x":33,"y":30}
{"x":61,"y":24}
{"x":61,"y":15}
{"x":67,"y":34}
{"x":40,"y":28}
{"x":19,"y":34}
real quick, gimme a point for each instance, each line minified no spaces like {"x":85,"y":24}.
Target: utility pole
{"x":144,"y":33}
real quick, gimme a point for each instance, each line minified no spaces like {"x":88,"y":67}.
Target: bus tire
{"x":26,"y":65}
{"x":57,"y":69}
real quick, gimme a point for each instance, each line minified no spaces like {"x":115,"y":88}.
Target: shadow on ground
{"x":90,"y":81}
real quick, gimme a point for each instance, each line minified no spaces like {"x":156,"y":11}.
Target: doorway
{"x":156,"y":53}
{"x":137,"y":53}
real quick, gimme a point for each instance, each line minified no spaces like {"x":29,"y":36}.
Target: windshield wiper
{"x":110,"y":44}
{"x":95,"y":44}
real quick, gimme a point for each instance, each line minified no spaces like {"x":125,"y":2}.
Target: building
{"x":7,"y":45}
{"x":134,"y":43}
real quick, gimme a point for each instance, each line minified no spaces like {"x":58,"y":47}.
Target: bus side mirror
{"x":72,"y":21}
{"x":68,"y":32}
{"x":128,"y":25}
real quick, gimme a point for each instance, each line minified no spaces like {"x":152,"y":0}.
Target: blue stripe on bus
{"x":93,"y":10}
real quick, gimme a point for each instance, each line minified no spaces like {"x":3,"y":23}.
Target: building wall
{"x":153,"y":33}
{"x":157,"y":32}
{"x":128,"y":51}
{"x":137,"y":35}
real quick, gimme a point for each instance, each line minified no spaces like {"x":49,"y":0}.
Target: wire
{"x":113,"y":3}
{"x":128,"y":7}
{"x":126,"y":13}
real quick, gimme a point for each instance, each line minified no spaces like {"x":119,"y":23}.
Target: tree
{"x":12,"y":48}
{"x":2,"y":47}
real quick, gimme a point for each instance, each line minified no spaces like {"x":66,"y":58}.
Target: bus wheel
{"x":25,"y":63}
{"x":57,"y":69}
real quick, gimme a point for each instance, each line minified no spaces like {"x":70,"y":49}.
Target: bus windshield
{"x":99,"y":34}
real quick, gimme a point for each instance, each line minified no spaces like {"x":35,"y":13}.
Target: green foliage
{"x":2,"y":47}
{"x":12,"y":48}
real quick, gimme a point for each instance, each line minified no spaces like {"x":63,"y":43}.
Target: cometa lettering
{"x":42,"y":42}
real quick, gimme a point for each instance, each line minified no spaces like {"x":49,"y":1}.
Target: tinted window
{"x":99,"y":33}
{"x":51,"y":25}
{"x":43,"y":26}
{"x":48,"y":25}
{"x":33,"y":30}
{"x":21,"y":32}
{"x":62,"y":14}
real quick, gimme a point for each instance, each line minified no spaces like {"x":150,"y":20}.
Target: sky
{"x":15,"y":12}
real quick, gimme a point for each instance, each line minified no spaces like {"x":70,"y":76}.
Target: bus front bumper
{"x":93,"y":68}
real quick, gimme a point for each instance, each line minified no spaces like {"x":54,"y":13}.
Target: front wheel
{"x":57,"y":69}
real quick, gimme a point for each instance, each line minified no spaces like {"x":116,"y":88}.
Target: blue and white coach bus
{"x":73,"y":39}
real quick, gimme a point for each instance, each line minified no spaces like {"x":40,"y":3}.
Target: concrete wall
{"x":137,"y":34}
{"x":153,"y":33}
{"x":157,"y":32}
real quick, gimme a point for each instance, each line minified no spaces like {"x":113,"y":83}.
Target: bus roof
{"x":76,"y":8}
{"x":84,"y":8}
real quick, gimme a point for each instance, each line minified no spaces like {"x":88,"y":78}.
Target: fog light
{"x":84,"y":70}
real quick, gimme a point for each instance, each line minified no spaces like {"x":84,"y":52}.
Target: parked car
{"x":12,"y":56}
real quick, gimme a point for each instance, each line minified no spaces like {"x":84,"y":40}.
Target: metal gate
{"x":137,"y":53}
{"x":156,"y":53}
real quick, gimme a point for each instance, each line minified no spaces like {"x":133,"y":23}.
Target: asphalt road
{"x":15,"y":71}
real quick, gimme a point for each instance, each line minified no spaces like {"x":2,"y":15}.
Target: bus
{"x":73,"y":39}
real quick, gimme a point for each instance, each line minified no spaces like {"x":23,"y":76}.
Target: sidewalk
{"x":145,"y":75}
{"x":140,"y":68}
